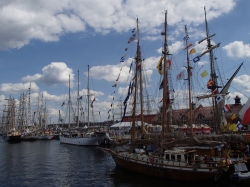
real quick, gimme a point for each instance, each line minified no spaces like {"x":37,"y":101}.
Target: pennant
{"x":192,"y":51}
{"x":219,"y":98}
{"x":159,"y":66}
{"x":196,"y":59}
{"x":180,"y":76}
{"x":204,"y":74}
{"x":114,"y":85}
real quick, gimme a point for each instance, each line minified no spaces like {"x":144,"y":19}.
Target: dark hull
{"x":158,"y":170}
{"x":30,"y":139}
{"x":13,"y":139}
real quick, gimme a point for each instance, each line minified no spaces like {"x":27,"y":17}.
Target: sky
{"x":44,"y":43}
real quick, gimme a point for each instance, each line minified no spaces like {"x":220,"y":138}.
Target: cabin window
{"x":178,"y":157}
{"x":167,"y":156}
{"x":172,"y":157}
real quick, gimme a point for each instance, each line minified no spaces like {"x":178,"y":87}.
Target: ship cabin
{"x":180,"y":155}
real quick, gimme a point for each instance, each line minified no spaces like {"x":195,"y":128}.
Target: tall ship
{"x":177,"y":157}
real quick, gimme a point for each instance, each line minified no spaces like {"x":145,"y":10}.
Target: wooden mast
{"x":69,"y":103}
{"x":189,"y":85}
{"x":78,"y":100}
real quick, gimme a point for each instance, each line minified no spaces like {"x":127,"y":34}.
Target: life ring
{"x":218,"y":175}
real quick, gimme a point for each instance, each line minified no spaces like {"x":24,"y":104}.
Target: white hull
{"x":83,"y":140}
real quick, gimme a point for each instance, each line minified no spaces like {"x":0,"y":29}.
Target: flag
{"x":204,"y":74}
{"x":232,"y":118}
{"x":215,"y":91}
{"x":133,"y":30}
{"x":186,"y":37}
{"x":196,"y":59}
{"x":80,"y":97}
{"x":226,"y":108}
{"x":219,"y":98}
{"x":63,"y":103}
{"x":114,"y":85}
{"x":130,"y":67}
{"x":239,"y":126}
{"x":126,"y":49}
{"x":133,"y":37}
{"x":189,"y":45}
{"x":109,"y":110}
{"x":138,"y":66}
{"x":91,"y":105}
{"x":161,"y":85}
{"x":159,"y":66}
{"x":180,"y":76}
{"x":244,"y":113}
{"x":192,"y":51}
{"x":118,"y":77}
{"x":168,"y":65}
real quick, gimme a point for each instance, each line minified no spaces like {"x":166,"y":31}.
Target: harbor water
{"x":45,"y":163}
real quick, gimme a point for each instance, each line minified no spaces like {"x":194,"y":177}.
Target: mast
{"x":69,"y":102}
{"x":165,"y":81}
{"x":88,"y":95}
{"x":189,"y":87}
{"x":78,"y":101}
{"x":136,"y":85}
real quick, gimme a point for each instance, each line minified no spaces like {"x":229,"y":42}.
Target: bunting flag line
{"x":204,"y":74}
{"x":133,"y":37}
{"x":192,"y":51}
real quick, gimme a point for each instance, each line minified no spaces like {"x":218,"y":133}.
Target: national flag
{"x":204,"y":74}
{"x":196,"y":59}
{"x":159,"y":66}
{"x":226,"y":108}
{"x":114,"y":85}
{"x":244,"y":113}
{"x":180,"y":76}
{"x":192,"y":51}
{"x":219,"y":98}
{"x":168,"y":65}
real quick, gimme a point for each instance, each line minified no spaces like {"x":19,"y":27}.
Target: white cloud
{"x":243,"y":81}
{"x":25,"y":20}
{"x":52,"y":74}
{"x":237,"y":49}
{"x":11,"y":88}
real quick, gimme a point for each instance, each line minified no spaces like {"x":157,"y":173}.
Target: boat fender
{"x":219,"y":174}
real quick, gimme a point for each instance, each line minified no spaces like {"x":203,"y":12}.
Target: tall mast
{"x":165,"y":52}
{"x":136,"y":82}
{"x":69,"y":103}
{"x":88,"y":95}
{"x":78,"y":101}
{"x":189,"y":87}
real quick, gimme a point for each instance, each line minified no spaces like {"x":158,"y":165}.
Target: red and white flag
{"x":180,"y":76}
{"x":244,"y":113}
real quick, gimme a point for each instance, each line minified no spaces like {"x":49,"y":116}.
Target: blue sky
{"x":42,"y":42}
